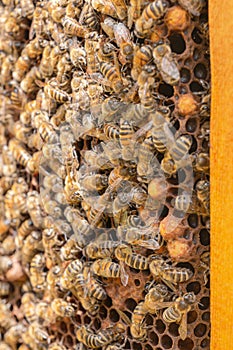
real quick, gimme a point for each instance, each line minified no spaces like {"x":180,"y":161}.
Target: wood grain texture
{"x":221,"y":48}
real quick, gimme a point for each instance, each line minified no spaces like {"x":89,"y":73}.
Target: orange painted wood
{"x":221,"y":48}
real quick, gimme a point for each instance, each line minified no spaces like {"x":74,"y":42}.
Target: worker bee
{"x":34,"y":48}
{"x":169,"y":274}
{"x":101,"y":338}
{"x":134,"y":12}
{"x":205,"y":131}
{"x":5,"y":289}
{"x":124,"y":253}
{"x":23,"y":231}
{"x":21,"y":155}
{"x":145,"y":236}
{"x":202,"y":162}
{"x":177,"y":312}
{"x":37,"y":274}
{"x":9,"y":164}
{"x":193,"y":7}
{"x":70,"y":249}
{"x":45,"y":67}
{"x":93,"y":183}
{"x":21,"y":132}
{"x":69,"y":275}
{"x":83,"y":232}
{"x":203,"y":193}
{"x":5,"y":264}
{"x":154,"y":301}
{"x":27,"y":8}
{"x":7,"y":69}
{"x":145,"y":83}
{"x":151,"y":14}
{"x":52,"y":91}
{"x":7,"y":320}
{"x":31,"y":245}
{"x":205,"y":264}
{"x":40,"y":15}
{"x":113,"y":76}
{"x":38,"y":333}
{"x":78,"y":56}
{"x":100,"y":249}
{"x":145,"y":168}
{"x":8,"y":246}
{"x":126,"y":140}
{"x":166,"y":64}
{"x":28,"y":302}
{"x":88,"y":17}
{"x":62,"y":308}
{"x":34,"y":208}
{"x":21,"y":67}
{"x":105,"y":7}
{"x":91,"y":46}
{"x":107,"y":268}
{"x":180,"y":147}
{"x":123,"y":40}
{"x":13,"y":335}
{"x":168,"y":165}
{"x":72,"y":27}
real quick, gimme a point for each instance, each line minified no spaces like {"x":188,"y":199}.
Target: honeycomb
{"x":84,"y":160}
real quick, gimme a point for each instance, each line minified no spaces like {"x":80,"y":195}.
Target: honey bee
{"x":83,"y":232}
{"x":113,"y":76}
{"x":5,"y":264}
{"x":148,"y":236}
{"x":145,"y":83}
{"x":151,"y":14}
{"x":70,"y":249}
{"x":180,"y":147}
{"x":27,"y":8}
{"x":134,"y":12}
{"x":183,"y":202}
{"x":13,"y":335}
{"x":7,"y":320}
{"x":69,"y":275}
{"x":107,"y":268}
{"x":168,"y":165}
{"x":7,"y":69}
{"x":178,"y":312}
{"x":53,"y":280}
{"x":125,"y":137}
{"x":161,"y":135}
{"x":154,"y":301}
{"x":78,"y":56}
{"x":91,"y":46}
{"x":28,"y":302}
{"x":34,"y":48}
{"x":205,"y":131}
{"x":101,"y":338}
{"x":8,"y":246}
{"x":100,"y":249}
{"x":5,"y":289}
{"x":105,"y":7}
{"x":124,"y":253}
{"x":205,"y":264}
{"x":18,"y":98}
{"x":94,"y":288}
{"x":72,"y":27}
{"x":52,"y":91}
{"x":170,"y":275}
{"x":31,"y":245}
{"x":20,"y":154}
{"x":45,"y":67}
{"x":120,"y":206}
{"x":123,"y":41}
{"x":40,"y":15}
{"x":38,"y":333}
{"x":9,"y":164}
{"x":44,"y":311}
{"x":62,"y":308}
{"x":93,"y":183}
{"x":145,"y":169}
{"x":23,"y":231}
{"x":88,"y":17}
{"x":21,"y":132}
{"x":21,"y":67}
{"x":110,"y":108}
{"x":34,"y":208}
{"x":37,"y":276}
{"x":166,"y":64}
{"x":203,"y":193}
{"x":193,"y":7}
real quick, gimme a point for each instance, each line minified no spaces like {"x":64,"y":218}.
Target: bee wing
{"x":124,"y":275}
{"x":169,"y":69}
{"x":183,"y":327}
{"x":150,"y":244}
{"x":124,"y":317}
{"x":163,"y":304}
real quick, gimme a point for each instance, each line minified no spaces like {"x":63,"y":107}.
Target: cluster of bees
{"x":104,"y":153}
